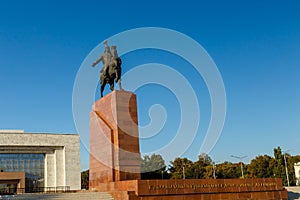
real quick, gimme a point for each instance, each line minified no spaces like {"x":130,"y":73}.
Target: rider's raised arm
{"x":97,"y":61}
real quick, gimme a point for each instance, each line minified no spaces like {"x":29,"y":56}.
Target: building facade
{"x":297,"y":173}
{"x":49,"y":161}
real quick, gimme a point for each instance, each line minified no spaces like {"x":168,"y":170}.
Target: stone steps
{"x":60,"y":196}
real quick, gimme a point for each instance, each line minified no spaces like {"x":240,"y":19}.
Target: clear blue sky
{"x":255,"y":45}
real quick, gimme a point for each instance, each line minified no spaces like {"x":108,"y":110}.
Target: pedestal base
{"x":196,"y":189}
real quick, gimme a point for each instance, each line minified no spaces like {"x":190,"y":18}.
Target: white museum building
{"x":36,"y":162}
{"x":297,"y":173}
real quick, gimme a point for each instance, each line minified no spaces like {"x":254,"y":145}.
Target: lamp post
{"x":241,"y":159}
{"x":183,"y":172}
{"x":286,"y":168}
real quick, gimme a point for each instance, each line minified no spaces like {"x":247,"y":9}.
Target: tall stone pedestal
{"x":114,"y":141}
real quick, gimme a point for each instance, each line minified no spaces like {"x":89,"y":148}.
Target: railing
{"x":58,"y":189}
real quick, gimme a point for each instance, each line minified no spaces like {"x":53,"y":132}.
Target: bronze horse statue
{"x":112,"y":75}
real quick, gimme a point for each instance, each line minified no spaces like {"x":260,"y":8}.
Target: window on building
{"x":31,"y":164}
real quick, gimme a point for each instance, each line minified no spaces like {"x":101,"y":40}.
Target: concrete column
{"x":50,"y":163}
{"x":60,"y":168}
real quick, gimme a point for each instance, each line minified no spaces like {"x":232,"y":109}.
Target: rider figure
{"x":110,"y":59}
{"x":106,"y":58}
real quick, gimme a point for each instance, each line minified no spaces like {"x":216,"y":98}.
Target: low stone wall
{"x":194,"y":189}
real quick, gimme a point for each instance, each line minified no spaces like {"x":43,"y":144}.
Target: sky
{"x":255,"y":46}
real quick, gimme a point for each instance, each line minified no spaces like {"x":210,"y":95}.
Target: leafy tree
{"x":205,"y":159}
{"x":85,"y":179}
{"x":260,"y":167}
{"x":203,"y":167}
{"x":197,"y":170}
{"x":153,"y":167}
{"x":278,"y":154}
{"x":181,"y":168}
{"x":209,"y":172}
{"x":228,"y":170}
{"x":278,"y":165}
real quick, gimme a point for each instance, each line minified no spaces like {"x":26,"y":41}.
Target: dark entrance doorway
{"x":12,"y":182}
{"x":10,"y":187}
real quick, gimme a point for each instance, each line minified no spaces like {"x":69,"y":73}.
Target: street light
{"x":286,"y":168}
{"x":241,"y":159}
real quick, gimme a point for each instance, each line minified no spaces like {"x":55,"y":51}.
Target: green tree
{"x":202,"y":168}
{"x":153,"y":167}
{"x":260,"y":167}
{"x":181,"y":168}
{"x":85,"y":180}
{"x":278,"y":165}
{"x":228,"y":170}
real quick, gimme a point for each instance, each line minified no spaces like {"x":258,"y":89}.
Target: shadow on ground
{"x":293,"y":195}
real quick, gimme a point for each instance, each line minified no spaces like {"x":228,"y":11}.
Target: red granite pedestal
{"x":114,"y":141}
{"x":115,"y":162}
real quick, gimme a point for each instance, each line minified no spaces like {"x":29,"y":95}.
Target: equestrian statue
{"x":111,"y":70}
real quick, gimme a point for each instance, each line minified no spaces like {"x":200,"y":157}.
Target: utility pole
{"x":214,"y":169}
{"x":241,"y":161}
{"x":286,"y":168}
